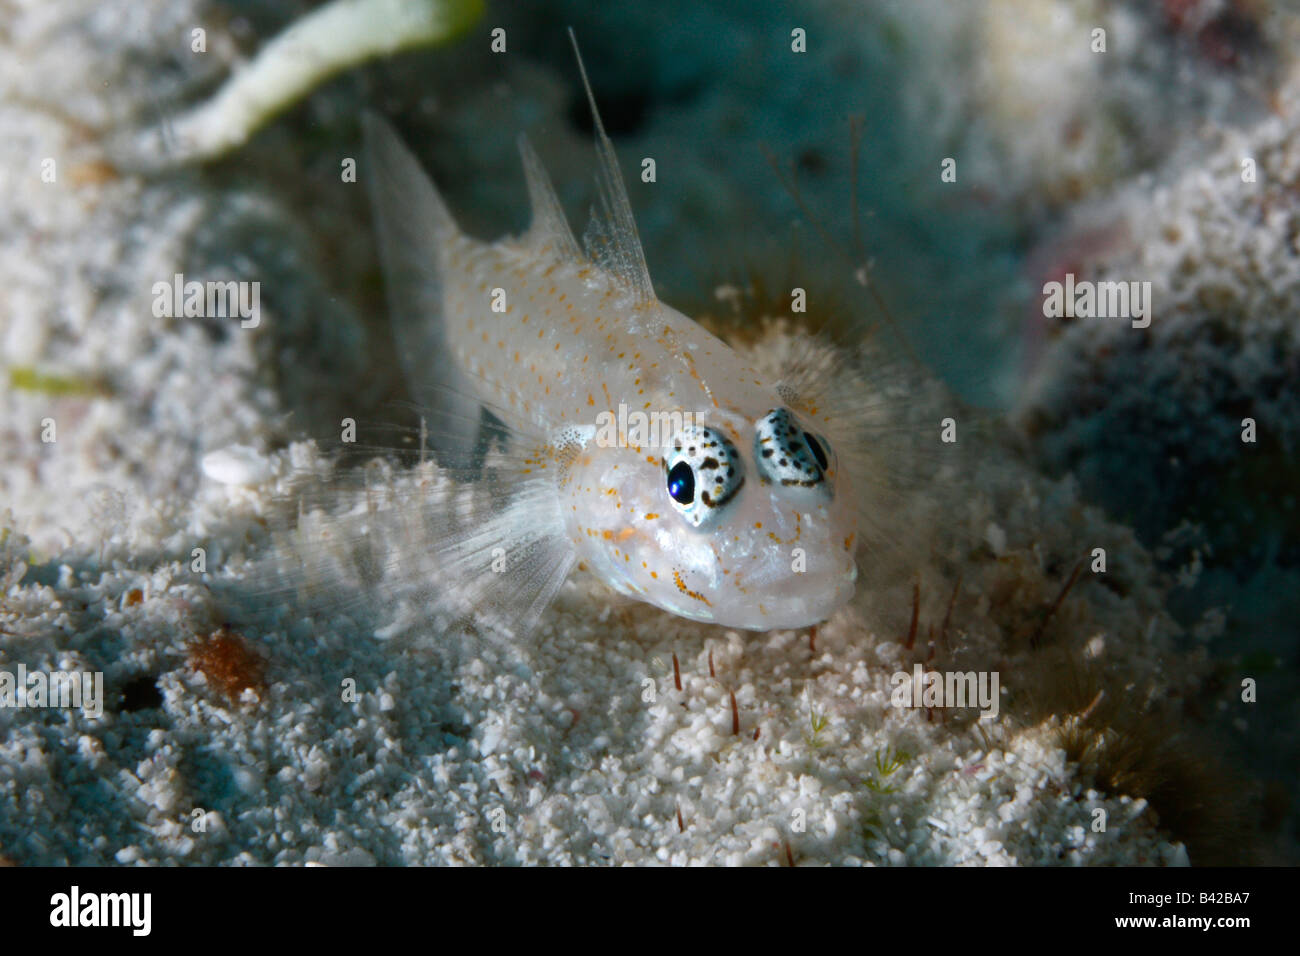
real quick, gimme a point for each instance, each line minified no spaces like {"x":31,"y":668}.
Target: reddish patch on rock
{"x":229,"y":663}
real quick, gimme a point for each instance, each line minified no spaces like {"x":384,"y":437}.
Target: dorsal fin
{"x":549,"y":228}
{"x":611,"y":238}
{"x":413,"y":228}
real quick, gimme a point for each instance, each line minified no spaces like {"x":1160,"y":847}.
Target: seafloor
{"x":230,"y":734}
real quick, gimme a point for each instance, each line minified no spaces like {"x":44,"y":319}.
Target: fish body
{"x":643,"y":447}
{"x":609,"y":382}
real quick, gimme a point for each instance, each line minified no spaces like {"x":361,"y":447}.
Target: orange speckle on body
{"x":681,"y":586}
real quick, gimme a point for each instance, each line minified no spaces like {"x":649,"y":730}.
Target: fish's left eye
{"x":702,"y":473}
{"x":786,"y":454}
{"x":818,"y":451}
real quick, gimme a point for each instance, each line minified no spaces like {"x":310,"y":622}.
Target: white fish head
{"x":741,"y":521}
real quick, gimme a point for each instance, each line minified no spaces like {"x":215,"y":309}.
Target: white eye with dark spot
{"x":701,"y":473}
{"x":788,"y":455}
{"x":821,"y":450}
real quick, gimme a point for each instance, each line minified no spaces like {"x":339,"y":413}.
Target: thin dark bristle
{"x":916,"y":614}
{"x":947,"y":617}
{"x":1055,"y":606}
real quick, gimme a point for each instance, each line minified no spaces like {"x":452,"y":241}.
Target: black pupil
{"x":817,"y":450}
{"x":681,"y":483}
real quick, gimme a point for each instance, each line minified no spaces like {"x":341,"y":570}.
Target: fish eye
{"x":818,"y":451}
{"x":786,"y":454}
{"x":701,"y":473}
{"x":681,"y":483}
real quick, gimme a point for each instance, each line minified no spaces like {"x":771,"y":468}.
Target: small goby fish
{"x":645,"y":449}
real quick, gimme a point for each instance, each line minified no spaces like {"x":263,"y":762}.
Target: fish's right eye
{"x":681,"y":483}
{"x":701,"y":473}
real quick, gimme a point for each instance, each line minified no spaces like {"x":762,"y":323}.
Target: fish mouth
{"x":797,"y":605}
